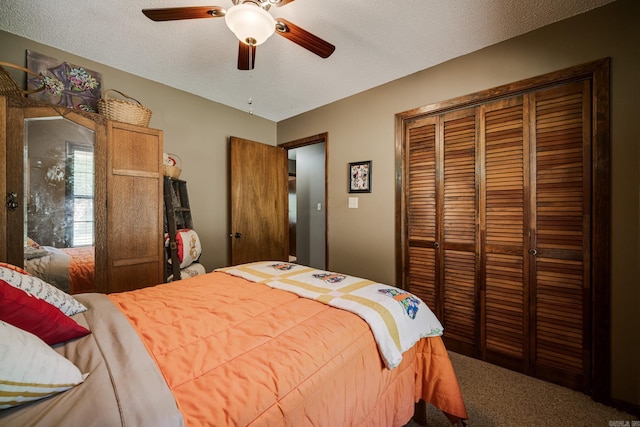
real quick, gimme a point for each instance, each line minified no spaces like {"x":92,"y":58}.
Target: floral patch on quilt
{"x":282,"y":266}
{"x":330,"y":277}
{"x":409,"y":302}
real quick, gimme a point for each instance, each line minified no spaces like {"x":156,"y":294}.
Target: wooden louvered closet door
{"x":561,"y":221}
{"x":422,"y":230}
{"x":503,"y":221}
{"x":441,"y":210}
{"x":497,"y":200}
{"x":457,"y":226}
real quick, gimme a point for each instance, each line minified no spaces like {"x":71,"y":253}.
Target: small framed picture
{"x":360,"y":177}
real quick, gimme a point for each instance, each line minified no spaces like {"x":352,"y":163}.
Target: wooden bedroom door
{"x":259,"y":202}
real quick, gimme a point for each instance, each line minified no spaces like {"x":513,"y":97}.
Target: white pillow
{"x":15,"y":276}
{"x":30,"y":369}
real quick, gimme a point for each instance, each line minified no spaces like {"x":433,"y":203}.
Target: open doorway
{"x":307,"y":201}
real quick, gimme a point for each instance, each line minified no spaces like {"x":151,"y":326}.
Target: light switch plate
{"x":353,"y":203}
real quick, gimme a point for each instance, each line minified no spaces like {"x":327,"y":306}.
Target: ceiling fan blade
{"x":304,"y":38}
{"x":281,"y":2}
{"x":246,"y":56}
{"x":176,"y":13}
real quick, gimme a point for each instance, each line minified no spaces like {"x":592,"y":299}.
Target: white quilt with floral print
{"x":398,"y":319}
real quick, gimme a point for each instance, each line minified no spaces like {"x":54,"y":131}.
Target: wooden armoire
{"x":127,"y":197}
{"x":503,"y":223}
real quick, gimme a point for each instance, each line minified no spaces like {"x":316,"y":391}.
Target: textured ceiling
{"x":376,"y":41}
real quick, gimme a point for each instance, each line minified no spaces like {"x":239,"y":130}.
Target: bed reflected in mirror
{"x":59,"y":203}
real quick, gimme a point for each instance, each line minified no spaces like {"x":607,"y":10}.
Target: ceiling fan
{"x":252,"y":24}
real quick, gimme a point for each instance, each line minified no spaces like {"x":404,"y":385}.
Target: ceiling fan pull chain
{"x":251,"y":45}
{"x":251,"y":51}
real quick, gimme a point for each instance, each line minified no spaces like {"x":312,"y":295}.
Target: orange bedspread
{"x":81,"y":269}
{"x":238,"y":353}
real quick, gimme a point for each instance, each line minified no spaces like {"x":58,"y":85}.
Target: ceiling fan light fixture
{"x":250,"y":23}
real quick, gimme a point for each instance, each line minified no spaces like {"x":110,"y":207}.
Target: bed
{"x":221,"y":349}
{"x":69,"y":269}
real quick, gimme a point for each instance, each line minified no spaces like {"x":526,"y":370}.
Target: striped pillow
{"x":30,"y":369}
{"x":37,"y":287}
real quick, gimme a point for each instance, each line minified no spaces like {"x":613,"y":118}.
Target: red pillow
{"x":37,"y":316}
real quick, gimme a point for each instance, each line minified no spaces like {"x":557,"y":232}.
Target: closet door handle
{"x":12,"y":201}
{"x":436,"y":245}
{"x":532,"y":251}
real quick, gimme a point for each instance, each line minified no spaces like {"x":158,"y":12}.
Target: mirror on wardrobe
{"x":59,"y":202}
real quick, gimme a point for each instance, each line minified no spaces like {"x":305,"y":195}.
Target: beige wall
{"x":361,"y":241}
{"x":195,"y":129}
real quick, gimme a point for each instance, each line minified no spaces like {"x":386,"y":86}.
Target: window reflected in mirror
{"x":80,"y":191}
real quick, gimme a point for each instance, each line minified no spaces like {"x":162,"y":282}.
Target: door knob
{"x":236,"y":235}
{"x":532,"y":251}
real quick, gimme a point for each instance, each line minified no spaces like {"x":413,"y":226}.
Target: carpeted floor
{"x":499,"y":397}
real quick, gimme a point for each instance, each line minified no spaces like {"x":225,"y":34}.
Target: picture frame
{"x":359,"y":179}
{"x":65,"y":84}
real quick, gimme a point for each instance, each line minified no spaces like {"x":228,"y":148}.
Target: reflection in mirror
{"x":59,"y":203}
